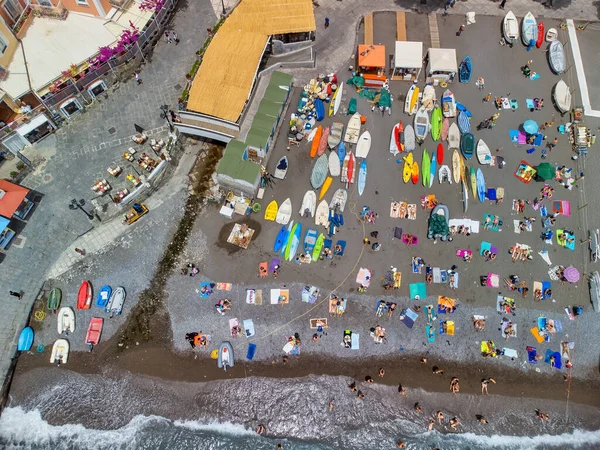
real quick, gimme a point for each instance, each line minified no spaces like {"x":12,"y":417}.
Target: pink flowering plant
{"x":151,"y":5}
{"x":128,"y":37}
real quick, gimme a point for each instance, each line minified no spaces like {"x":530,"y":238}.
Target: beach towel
{"x":491,"y":227}
{"x":514,"y":104}
{"x":529,"y":103}
{"x":539,"y":138}
{"x":454,"y":280}
{"x":263,"y":269}
{"x":545,"y":256}
{"x":310,"y":294}
{"x":430,"y":314}
{"x":355,"y":341}
{"x":446,"y":305}
{"x":251,"y":351}
{"x":275,"y":262}
{"x":398,"y":233}
{"x":491,"y":194}
{"x":485,"y":246}
{"x":417,"y":264}
{"x":543,"y":210}
{"x":562,"y":207}
{"x":505,"y":305}
{"x":363,"y":277}
{"x":437,"y":275}
{"x":233,"y":323}
{"x":514,"y":136}
{"x":504,"y":325}
{"x":254,"y":296}
{"x":557,"y":358}
{"x":531,"y":354}
{"x":525,"y":172}
{"x":280,"y":296}
{"x":552,"y":273}
{"x":536,"y":334}
{"x":473,"y":225}
{"x":408,"y":317}
{"x":505,"y":103}
{"x":430,"y":333}
{"x":565,"y":241}
{"x":224,"y":286}
{"x":448,"y":326}
{"x":340,"y":252}
{"x":493,"y":280}
{"x":397,"y":280}
{"x":509,"y":352}
{"x":462,"y":252}
{"x":208,"y":292}
{"x":418,"y":291}
{"x":249,"y":328}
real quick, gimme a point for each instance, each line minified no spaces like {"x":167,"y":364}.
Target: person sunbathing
{"x":429,"y":278}
{"x":537,"y":295}
{"x":479,"y":324}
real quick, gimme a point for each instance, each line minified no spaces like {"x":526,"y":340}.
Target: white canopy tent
{"x":408,"y":60}
{"x":442,"y":64}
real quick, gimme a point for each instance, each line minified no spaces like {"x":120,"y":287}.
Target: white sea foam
{"x":215,"y":426}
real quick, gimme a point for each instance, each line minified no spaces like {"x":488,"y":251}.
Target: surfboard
{"x":318,"y":247}
{"x":445,"y":128}
{"x":286,"y":239}
{"x":473,"y":181}
{"x":338,"y":98}
{"x":362,"y":177}
{"x":436,"y":123}
{"x":409,"y":96}
{"x":271,"y":211}
{"x":413,"y":101}
{"x":456,"y":166}
{"x":415,"y":173}
{"x":480,"y":186}
{"x":465,"y":194}
{"x":433,"y":169}
{"x":325,"y":186}
{"x":425,"y":167}
{"x":408,"y":163}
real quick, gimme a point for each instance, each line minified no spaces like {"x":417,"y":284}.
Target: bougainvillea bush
{"x":128,"y":37}
{"x":153,"y":5}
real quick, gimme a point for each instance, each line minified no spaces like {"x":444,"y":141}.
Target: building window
{"x":3,"y":45}
{"x":13,"y":8}
{"x":82,"y":3}
{"x":70,"y":107}
{"x":47,"y":3}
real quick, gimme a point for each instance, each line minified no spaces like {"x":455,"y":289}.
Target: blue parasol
{"x":531,"y":127}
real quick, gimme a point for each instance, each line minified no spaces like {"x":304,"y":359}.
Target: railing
{"x":20,"y":120}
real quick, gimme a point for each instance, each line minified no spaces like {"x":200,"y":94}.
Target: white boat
{"x":334,"y":164}
{"x":353,"y":129}
{"x":284,"y":214}
{"x":394,"y":150}
{"x":454,"y":136}
{"x":364,"y":145}
{"x":429,"y":98}
{"x":556,"y":57}
{"x":484,"y":156}
{"x":225,"y":356}
{"x":281,"y":168}
{"x":322,"y":214}
{"x":595,"y":290}
{"x":338,"y":98}
{"x":562,"y":97}
{"x":421,"y":124}
{"x":309,"y":202}
{"x":551,"y":34}
{"x":448,"y":104}
{"x":335,"y":134}
{"x":66,"y":320}
{"x":339,"y":200}
{"x":444,"y":174}
{"x":409,"y":96}
{"x":117,"y":299}
{"x":529,"y":30}
{"x":510,"y":28}
{"x":409,"y":139}
{"x":60,"y":352}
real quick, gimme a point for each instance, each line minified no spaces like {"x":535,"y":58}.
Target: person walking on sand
{"x":484,"y":385}
{"x":402,"y":390}
{"x":454,"y":386}
{"x":541,"y":415}
{"x":326,"y":22}
{"x":138,"y":80}
{"x":482,"y":419}
{"x":436,"y":370}
{"x":360,"y":394}
{"x":352,"y":386}
{"x":418,"y":407}
{"x":368,"y":379}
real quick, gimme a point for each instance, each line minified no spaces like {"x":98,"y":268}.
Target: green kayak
{"x":54,"y":299}
{"x":318,"y":247}
{"x":425,"y":168}
{"x":473,"y":182}
{"x":436,"y":123}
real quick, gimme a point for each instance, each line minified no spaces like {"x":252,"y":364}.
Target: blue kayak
{"x":25,"y":339}
{"x":280,"y":239}
{"x":341,"y":152}
{"x":319,"y":109}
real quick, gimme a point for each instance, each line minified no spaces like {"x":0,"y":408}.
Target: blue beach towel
{"x":485,"y":246}
{"x":418,"y":291}
{"x":557,"y":358}
{"x":251,"y":351}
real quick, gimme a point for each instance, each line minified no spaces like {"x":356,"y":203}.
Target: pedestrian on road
{"x":138,"y":80}
{"x":174,"y":117}
{"x":326,"y":22}
{"x":174,"y":37}
{"x":460,"y":30}
{"x":168,"y":37}
{"x":503,"y":4}
{"x":19,"y":294}
{"x":80,"y":251}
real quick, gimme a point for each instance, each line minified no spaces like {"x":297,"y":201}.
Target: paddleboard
{"x":25,"y":339}
{"x":285,"y":212}
{"x":464,"y":124}
{"x":362,"y":177}
{"x":364,"y":145}
{"x":456,"y":166}
{"x":338,"y":98}
{"x":286,"y":239}
{"x":334,"y":165}
{"x":484,"y":155}
{"x":480,"y":186}
{"x":325,"y":186}
{"x":465,"y":193}
{"x":473,"y":181}
{"x":309,"y":202}
{"x":408,"y":101}
{"x":408,"y":163}
{"x":290,"y":252}
{"x":271,"y":211}
{"x":433,"y":169}
{"x":410,"y":142}
{"x":279,"y":239}
{"x":425,"y":167}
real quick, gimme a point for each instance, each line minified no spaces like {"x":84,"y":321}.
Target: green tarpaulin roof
{"x":234,"y":166}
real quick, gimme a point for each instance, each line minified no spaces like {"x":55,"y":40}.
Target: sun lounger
{"x":408,"y":317}
{"x":418,"y":291}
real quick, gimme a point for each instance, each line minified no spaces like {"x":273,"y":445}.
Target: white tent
{"x":408,"y":60}
{"x":442,"y":64}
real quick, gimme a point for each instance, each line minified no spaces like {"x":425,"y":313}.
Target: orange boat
{"x":84,"y":297}
{"x":316,"y":141}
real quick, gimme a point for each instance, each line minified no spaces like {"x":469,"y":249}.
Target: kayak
{"x":436,"y":123}
{"x":362,"y":177}
{"x":287,"y":238}
{"x":279,"y":239}
{"x":295,"y":242}
{"x":318,"y":247}
{"x":25,"y":339}
{"x":432,"y":169}
{"x":415,"y":173}
{"x":325,"y":186}
{"x":316,"y":141}
{"x":408,"y":163}
{"x":54,"y":299}
{"x":425,"y":166}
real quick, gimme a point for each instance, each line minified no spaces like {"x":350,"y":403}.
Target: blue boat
{"x":465,"y":69}
{"x":310,"y":240}
{"x":103,"y":296}
{"x":25,"y":339}
{"x":341,"y":153}
{"x":319,"y":109}
{"x":280,"y":239}
{"x":464,"y":123}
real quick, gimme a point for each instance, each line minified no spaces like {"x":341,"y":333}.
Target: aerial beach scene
{"x":355,"y":226}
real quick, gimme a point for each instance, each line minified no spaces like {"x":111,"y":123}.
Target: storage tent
{"x":408,"y":60}
{"x":442,"y":64}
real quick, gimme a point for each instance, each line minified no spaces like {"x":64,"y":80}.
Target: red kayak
{"x":540,"y":39}
{"x":440,"y":154}
{"x":350,"y":171}
{"x":94,"y":331}
{"x":400,"y":137}
{"x":84,"y":297}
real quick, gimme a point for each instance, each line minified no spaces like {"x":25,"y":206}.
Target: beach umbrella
{"x":572,"y":275}
{"x":545,"y":171}
{"x":531,"y":127}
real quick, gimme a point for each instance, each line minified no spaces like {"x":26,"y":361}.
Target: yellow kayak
{"x":271,"y":211}
{"x":325,"y":187}
{"x":408,"y":163}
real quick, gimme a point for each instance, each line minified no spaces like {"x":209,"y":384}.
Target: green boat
{"x":425,"y":168}
{"x":473,"y":182}
{"x":54,"y":299}
{"x":318,"y":247}
{"x":436,"y":123}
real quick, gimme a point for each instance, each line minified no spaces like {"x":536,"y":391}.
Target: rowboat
{"x":116,"y":302}
{"x":456,"y":166}
{"x":448,"y":104}
{"x":480,"y":186}
{"x":335,"y":134}
{"x":325,"y":187}
{"x":414,"y":175}
{"x":353,"y":129}
{"x":421,"y":124}
{"x":562,"y":96}
{"x":25,"y":339}
{"x":309,"y":202}
{"x":529,"y":30}
{"x":408,"y":162}
{"x":103,"y":296}
{"x":440,"y":154}
{"x":66,"y":320}
{"x":425,"y":167}
{"x":285,"y":212}
{"x":465,"y":69}
{"x":445,"y":128}
{"x":348,"y":174}
{"x":453,"y":136}
{"x":225,"y":357}
{"x":281,"y":168}
{"x":310,"y":240}
{"x":436,"y":123}
{"x":364,"y":145}
{"x":551,"y":35}
{"x":271,"y":211}
{"x":319,"y":172}
{"x":322,"y":214}
{"x":315,"y":142}
{"x":84,"y":297}
{"x":339,"y":200}
{"x":556,"y":57}
{"x":540,"y":36}
{"x":464,"y":123}
{"x":484,"y":156}
{"x":510,"y":28}
{"x":60,"y":352}
{"x":54,"y":299}
{"x":334,"y":164}
{"x":323,"y":141}
{"x":94,"y":332}
{"x":467,"y":145}
{"x":394,"y":148}
{"x":337,"y":101}
{"x":428,"y":100}
{"x":409,"y":139}
{"x":362,"y":177}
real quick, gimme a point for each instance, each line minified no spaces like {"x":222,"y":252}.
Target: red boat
{"x":94,"y":331}
{"x":400,"y":137}
{"x":84,"y":298}
{"x":440,"y":154}
{"x":540,"y":39}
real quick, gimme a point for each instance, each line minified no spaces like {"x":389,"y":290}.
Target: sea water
{"x":73,"y":411}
